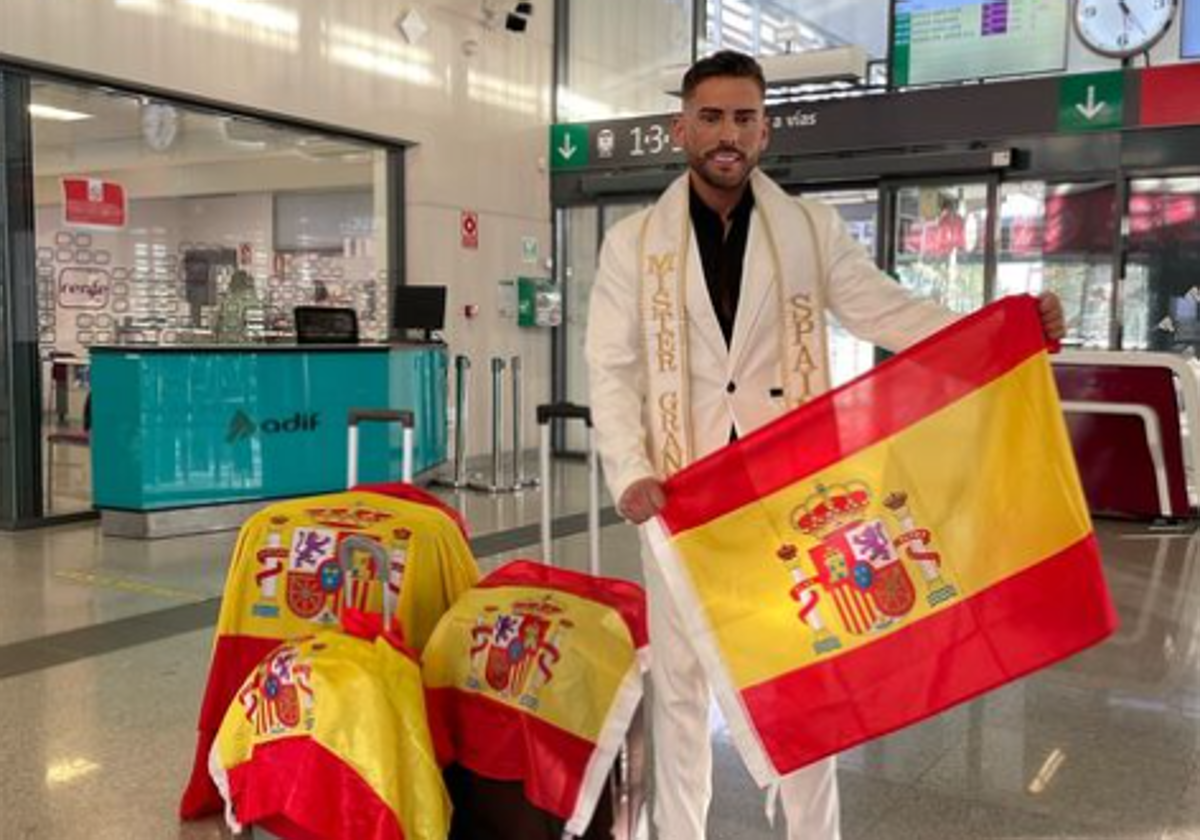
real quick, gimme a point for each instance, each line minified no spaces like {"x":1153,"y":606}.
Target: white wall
{"x":479,"y":120}
{"x":619,"y":49}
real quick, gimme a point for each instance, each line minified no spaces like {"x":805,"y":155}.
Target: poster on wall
{"x":93,"y":203}
{"x":83,"y":288}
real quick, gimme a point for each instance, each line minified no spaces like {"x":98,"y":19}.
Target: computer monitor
{"x":419,"y":308}
{"x":326,"y":325}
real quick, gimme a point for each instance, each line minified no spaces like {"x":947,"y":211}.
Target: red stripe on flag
{"x":927,"y":377}
{"x":840,"y":601}
{"x":854,"y":603}
{"x":624,"y":597}
{"x":295,"y":787}
{"x":1026,"y":622}
{"x":498,"y":742}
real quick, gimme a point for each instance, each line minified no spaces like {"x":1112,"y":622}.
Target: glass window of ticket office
{"x":939,"y":242}
{"x":162,"y":224}
{"x":1161,"y":292}
{"x":1059,"y":238}
{"x":1045,"y":237}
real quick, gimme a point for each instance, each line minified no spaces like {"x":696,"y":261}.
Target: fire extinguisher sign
{"x":469,"y":228}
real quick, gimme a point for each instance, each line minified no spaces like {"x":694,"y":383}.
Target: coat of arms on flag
{"x":858,"y":576}
{"x":514,"y":652}
{"x":894,"y":547}
{"x":277,"y":699}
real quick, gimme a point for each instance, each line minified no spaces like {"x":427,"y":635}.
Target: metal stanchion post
{"x":593,"y":500}
{"x":462,"y":391}
{"x":496,"y":485}
{"x":569,"y":411}
{"x":544,"y":467}
{"x":520,"y":480}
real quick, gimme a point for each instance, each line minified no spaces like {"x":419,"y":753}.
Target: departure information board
{"x":954,"y":40}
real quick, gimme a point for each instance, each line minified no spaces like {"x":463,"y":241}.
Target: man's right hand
{"x":641,"y":500}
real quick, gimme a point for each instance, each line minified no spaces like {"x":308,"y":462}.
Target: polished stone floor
{"x":104,"y":644}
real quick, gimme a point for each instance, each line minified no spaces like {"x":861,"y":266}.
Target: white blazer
{"x":731,"y":387}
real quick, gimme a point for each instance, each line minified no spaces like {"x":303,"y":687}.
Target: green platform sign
{"x":568,"y":146}
{"x":1091,"y":102}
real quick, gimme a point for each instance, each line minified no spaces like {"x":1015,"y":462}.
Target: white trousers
{"x":682,"y":748}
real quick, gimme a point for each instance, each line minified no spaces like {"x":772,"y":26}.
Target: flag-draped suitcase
{"x":404,"y":549}
{"x":526,"y":805}
{"x":328,"y":737}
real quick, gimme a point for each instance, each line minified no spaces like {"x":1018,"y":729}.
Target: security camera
{"x":518,"y":19}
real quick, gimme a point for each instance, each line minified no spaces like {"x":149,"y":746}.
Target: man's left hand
{"x":1054,"y":325}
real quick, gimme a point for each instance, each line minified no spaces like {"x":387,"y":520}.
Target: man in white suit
{"x":707,"y":320}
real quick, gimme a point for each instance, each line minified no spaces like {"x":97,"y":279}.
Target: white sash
{"x":796,"y":272}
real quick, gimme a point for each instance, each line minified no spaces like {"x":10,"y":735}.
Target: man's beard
{"x":714,"y":176}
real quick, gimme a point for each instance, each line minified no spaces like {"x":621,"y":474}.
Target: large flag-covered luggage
{"x":534,"y":677}
{"x":285,"y":582}
{"x":328,"y":738}
{"x":899,"y":545}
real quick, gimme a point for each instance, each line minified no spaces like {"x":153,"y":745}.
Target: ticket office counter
{"x":188,"y":426}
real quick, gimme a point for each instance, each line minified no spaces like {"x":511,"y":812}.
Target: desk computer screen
{"x":419,"y":308}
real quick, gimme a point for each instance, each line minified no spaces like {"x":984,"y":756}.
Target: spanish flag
{"x":328,"y":738}
{"x":897,"y":546}
{"x":285,"y":581}
{"x":534,"y":676}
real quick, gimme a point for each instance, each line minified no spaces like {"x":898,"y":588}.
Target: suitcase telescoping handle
{"x":379,"y":415}
{"x":570,"y":411}
{"x":391,"y":574}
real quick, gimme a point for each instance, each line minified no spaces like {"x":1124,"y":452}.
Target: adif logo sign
{"x":243,"y":427}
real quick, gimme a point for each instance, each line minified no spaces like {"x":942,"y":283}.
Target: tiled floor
{"x":104,"y":645}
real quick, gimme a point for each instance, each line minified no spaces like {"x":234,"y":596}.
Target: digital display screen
{"x":1189,"y":37}
{"x":937,"y":41}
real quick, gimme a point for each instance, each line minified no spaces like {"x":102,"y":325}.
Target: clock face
{"x":1122,"y":28}
{"x":160,"y":124}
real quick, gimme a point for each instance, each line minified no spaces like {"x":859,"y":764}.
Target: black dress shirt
{"x":722,"y":253}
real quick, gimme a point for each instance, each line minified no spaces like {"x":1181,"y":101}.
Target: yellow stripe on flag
{"x":962,"y":506}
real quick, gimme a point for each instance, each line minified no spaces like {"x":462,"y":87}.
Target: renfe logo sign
{"x":83,"y":288}
{"x":92,"y":203}
{"x":243,"y":427}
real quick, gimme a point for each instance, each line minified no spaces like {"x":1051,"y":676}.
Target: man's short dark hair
{"x":727,"y":64}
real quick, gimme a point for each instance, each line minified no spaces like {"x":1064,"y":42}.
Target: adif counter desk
{"x":192,"y":438}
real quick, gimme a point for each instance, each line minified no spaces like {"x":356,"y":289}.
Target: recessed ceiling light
{"x":48,"y":112}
